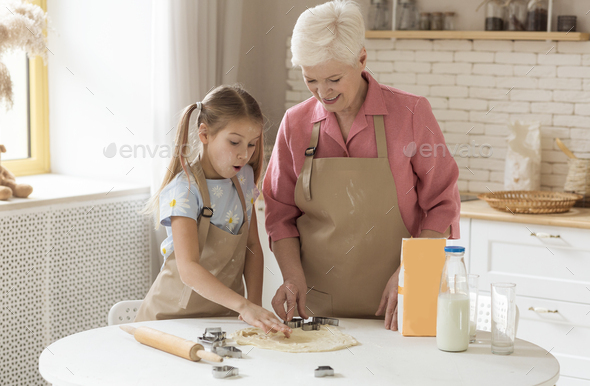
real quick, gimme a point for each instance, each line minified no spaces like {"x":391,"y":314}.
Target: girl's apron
{"x":221,"y":253}
{"x":350,"y":231}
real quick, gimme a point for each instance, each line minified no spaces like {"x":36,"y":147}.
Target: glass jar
{"x":425,"y":21}
{"x":452,"y":317}
{"x":566,"y":23}
{"x":379,"y":15}
{"x":436,"y":21}
{"x":407,"y":12}
{"x":517,"y":15}
{"x":495,"y":15}
{"x":449,"y":21}
{"x":537,"y":11}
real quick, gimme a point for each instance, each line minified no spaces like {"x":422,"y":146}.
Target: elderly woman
{"x":355,"y":169}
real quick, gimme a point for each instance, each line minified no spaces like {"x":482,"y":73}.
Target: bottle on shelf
{"x":495,"y":15}
{"x":449,"y":21}
{"x":517,"y":15}
{"x":538,"y":11}
{"x":436,"y":21}
{"x":425,"y":21}
{"x":379,"y":15}
{"x":407,"y":15}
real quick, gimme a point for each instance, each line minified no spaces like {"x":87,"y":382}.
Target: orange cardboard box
{"x":422,"y":262}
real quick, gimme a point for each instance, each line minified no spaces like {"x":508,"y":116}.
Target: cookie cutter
{"x":294,"y":323}
{"x":224,"y":371}
{"x":310,"y":326}
{"x":226,"y":351}
{"x":323,"y":371}
{"x":213,"y":335}
{"x":325,"y":320}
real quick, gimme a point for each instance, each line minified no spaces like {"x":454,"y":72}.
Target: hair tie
{"x":199,"y":106}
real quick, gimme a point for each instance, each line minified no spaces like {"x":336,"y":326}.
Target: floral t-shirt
{"x":176,"y":200}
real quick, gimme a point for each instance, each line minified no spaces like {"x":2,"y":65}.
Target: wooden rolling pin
{"x":171,"y":344}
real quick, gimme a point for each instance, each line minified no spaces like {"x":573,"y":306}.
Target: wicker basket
{"x":530,"y":201}
{"x":578,"y":180}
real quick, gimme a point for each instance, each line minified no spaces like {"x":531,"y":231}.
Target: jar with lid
{"x":424,"y":21}
{"x":436,"y":21}
{"x":495,"y":15}
{"x":517,"y":15}
{"x":407,"y":15}
{"x":449,"y":21}
{"x":452,"y":317}
{"x":538,"y":11}
{"x":379,"y":15}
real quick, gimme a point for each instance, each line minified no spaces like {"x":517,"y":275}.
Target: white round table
{"x":110,"y":356}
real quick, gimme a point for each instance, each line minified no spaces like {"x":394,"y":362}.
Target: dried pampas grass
{"x":21,"y":27}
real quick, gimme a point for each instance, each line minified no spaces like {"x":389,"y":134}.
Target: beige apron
{"x":221,"y":253}
{"x":350,"y":231}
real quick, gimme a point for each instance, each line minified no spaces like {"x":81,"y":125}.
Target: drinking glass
{"x":473,"y":294}
{"x":503,"y":318}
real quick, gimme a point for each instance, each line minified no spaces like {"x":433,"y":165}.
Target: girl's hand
{"x":259,"y":317}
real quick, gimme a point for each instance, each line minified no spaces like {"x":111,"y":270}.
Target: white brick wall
{"x":476,"y":87}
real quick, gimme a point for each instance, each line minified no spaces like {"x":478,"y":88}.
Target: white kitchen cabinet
{"x":551,"y":273}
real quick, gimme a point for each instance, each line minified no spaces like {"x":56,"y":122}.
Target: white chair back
{"x":124,"y":312}
{"x":484,"y":314}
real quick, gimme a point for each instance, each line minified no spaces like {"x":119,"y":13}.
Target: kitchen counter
{"x":575,"y":218}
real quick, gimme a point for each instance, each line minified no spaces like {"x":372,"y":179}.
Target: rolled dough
{"x":328,"y":338}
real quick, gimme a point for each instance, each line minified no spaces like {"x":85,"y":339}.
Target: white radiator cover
{"x":62,"y":267}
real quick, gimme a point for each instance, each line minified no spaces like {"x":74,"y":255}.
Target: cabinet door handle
{"x":545,"y":235}
{"x":542,"y":310}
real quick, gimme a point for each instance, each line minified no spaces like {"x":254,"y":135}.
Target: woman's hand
{"x":293,"y":293}
{"x":388,"y":302}
{"x":265,"y":320}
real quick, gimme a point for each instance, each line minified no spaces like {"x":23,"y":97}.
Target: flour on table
{"x":328,"y":338}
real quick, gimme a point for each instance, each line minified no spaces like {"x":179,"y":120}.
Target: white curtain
{"x":195,"y":47}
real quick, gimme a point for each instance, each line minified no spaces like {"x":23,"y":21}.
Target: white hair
{"x":331,"y":31}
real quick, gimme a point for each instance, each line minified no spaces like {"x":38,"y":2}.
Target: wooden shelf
{"x":479,"y":35}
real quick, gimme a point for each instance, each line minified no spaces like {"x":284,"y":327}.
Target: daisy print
{"x":178,"y":203}
{"x":217,"y":191}
{"x":252,"y":196}
{"x":242,"y":179}
{"x":249,"y":200}
{"x":232,"y":219}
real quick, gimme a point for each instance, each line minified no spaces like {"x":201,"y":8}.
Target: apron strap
{"x":380,"y":136}
{"x":207,"y":212}
{"x":234,"y":179}
{"x":313,"y":143}
{"x":307,"y":164}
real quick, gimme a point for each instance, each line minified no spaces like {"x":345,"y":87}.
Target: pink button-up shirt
{"x":426,"y":183}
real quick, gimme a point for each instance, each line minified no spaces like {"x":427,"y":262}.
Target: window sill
{"x":50,"y":189}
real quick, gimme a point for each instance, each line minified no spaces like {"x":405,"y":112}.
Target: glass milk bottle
{"x":452,"y":318}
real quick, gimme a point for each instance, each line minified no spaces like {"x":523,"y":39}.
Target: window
{"x":24,"y":130}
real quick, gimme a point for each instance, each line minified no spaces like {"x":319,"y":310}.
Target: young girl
{"x":208,"y":209}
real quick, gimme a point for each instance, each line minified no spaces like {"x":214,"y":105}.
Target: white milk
{"x":452,"y":322}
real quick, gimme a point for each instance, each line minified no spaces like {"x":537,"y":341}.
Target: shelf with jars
{"x":479,"y":35}
{"x":504,"y":20}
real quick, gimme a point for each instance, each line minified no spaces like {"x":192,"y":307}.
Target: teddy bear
{"x":8,"y":185}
